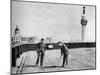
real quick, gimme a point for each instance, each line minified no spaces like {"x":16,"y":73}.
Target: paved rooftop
{"x":79,"y":59}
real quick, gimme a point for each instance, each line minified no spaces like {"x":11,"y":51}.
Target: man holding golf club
{"x":40,"y":52}
{"x":64,"y":53}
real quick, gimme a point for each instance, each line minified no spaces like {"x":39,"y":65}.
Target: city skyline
{"x":61,"y":22}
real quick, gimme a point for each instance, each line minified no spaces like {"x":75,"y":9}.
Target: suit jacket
{"x":64,"y":49}
{"x":41,"y":47}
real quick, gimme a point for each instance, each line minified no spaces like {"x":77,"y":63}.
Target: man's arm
{"x":61,"y":52}
{"x":67,"y":50}
{"x":38,"y":47}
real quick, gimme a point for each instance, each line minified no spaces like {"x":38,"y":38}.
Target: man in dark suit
{"x":40,"y":52}
{"x":64,"y":53}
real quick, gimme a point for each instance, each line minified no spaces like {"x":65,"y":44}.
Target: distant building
{"x":18,"y":39}
{"x":49,"y":40}
{"x":83,"y":23}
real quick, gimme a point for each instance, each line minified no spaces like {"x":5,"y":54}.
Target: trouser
{"x":65,"y":60}
{"x":41,"y":58}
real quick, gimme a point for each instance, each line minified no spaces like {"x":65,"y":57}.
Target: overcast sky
{"x":61,"y":22}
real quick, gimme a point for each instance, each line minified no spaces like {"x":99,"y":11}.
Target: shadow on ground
{"x":43,"y":66}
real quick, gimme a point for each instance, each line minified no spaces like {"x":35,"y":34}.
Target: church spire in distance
{"x":17,"y":31}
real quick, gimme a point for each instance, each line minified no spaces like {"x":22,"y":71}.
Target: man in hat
{"x":64,"y":53}
{"x":40,"y":52}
